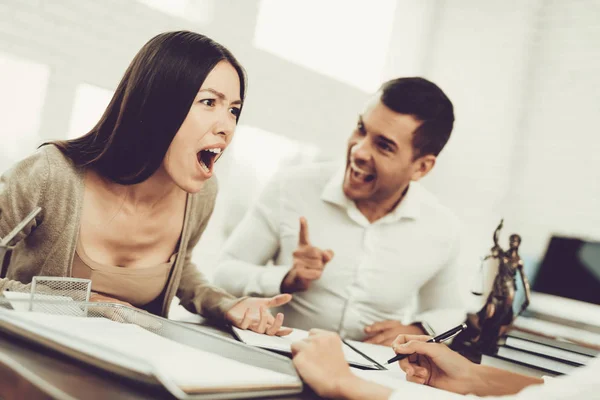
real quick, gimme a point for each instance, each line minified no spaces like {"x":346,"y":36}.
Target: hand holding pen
{"x":438,"y":339}
{"x":428,"y":363}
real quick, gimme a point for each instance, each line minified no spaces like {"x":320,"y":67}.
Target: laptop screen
{"x":570,"y":268}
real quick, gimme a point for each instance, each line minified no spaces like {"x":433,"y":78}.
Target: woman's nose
{"x":226,"y":125}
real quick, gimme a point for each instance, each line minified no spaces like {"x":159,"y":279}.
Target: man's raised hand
{"x":308,"y":265}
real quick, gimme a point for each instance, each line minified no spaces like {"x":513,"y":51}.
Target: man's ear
{"x":422,"y":166}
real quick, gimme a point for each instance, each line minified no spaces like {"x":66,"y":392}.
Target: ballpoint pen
{"x":442,"y":337}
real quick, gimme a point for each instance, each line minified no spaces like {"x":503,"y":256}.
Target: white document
{"x":129,"y":345}
{"x":377,"y":352}
{"x":284,"y":343}
{"x":388,"y":378}
{"x":380,"y":354}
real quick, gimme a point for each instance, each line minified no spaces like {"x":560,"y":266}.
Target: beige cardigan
{"x":46,"y":247}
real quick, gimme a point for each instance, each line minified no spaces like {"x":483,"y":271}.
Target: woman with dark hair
{"x":125,"y":204}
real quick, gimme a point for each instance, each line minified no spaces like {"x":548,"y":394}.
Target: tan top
{"x":47,"y":246}
{"x":136,"y":286}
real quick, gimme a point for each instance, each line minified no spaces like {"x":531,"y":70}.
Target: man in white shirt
{"x":321,"y":364}
{"x":374,"y":254}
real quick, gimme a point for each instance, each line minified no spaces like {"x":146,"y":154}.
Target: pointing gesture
{"x":303,"y":238}
{"x":308,"y":265}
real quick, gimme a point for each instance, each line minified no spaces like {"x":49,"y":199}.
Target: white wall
{"x":479,"y":55}
{"x":555,"y":186}
{"x":491,"y":58}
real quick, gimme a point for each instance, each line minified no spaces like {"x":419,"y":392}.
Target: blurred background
{"x":524,"y":77}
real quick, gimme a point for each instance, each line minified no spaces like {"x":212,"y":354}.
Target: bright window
{"x":89,"y":105}
{"x":201,"y":11}
{"x":261,"y":153}
{"x":24,"y":85}
{"x":344,"y":40}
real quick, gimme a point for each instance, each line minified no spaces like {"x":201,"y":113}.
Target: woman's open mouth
{"x":207,"y":157}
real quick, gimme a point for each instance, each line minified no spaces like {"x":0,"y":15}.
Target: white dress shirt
{"x":401,"y":267}
{"x":582,"y":384}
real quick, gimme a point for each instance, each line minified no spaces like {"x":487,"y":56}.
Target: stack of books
{"x":548,"y":354}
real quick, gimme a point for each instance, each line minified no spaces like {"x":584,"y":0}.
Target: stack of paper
{"x":132,"y":347}
{"x":548,"y":351}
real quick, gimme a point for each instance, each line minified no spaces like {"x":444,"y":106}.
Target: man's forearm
{"x":490,"y":381}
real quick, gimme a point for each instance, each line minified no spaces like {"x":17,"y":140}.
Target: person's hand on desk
{"x":434,"y":364}
{"x":308,"y":265}
{"x":320,"y":362}
{"x":253,"y":314}
{"x":385,"y":332}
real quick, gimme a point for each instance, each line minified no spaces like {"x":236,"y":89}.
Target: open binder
{"x":152,"y":350}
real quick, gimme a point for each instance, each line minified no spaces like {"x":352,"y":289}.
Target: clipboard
{"x":32,"y":329}
{"x":282,"y":344}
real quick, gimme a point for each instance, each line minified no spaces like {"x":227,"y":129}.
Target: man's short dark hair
{"x":426,"y":102}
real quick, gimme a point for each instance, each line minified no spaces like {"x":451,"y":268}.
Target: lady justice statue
{"x":495,"y":318}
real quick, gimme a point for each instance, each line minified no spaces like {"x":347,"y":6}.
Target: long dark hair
{"x":131,"y":139}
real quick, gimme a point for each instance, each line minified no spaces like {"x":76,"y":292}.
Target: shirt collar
{"x":409,"y":207}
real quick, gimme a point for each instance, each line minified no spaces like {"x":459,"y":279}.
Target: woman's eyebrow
{"x":219,"y":95}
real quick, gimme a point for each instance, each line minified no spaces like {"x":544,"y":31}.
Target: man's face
{"x":380,"y":155}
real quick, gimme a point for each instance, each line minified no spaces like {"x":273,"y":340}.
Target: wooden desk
{"x":33,"y":372}
{"x":28,"y":372}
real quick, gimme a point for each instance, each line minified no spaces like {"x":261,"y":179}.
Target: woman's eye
{"x":235,"y":111}
{"x":208,"y":102}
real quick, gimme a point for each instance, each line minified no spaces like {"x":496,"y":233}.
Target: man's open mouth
{"x":361,"y":175}
{"x":207,"y":158}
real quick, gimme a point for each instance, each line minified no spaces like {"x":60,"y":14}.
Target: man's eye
{"x":361,"y":128}
{"x":208,"y":102}
{"x":235,"y":111}
{"x":384,"y":146}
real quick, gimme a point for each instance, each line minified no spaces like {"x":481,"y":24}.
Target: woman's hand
{"x":434,"y":364}
{"x":253,"y":314}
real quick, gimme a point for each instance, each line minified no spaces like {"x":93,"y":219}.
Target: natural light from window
{"x":201,"y":11}
{"x":261,"y":153}
{"x":89,"y":105}
{"x":24,"y":85}
{"x":345,"y":40}
{"x":254,"y":156}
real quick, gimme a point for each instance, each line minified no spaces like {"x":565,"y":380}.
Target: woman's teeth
{"x":204,"y":155}
{"x":204,"y":167}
